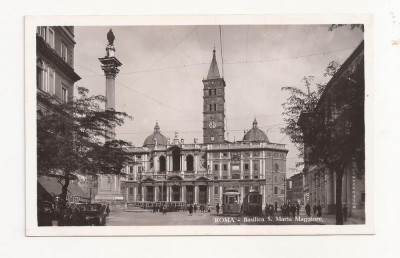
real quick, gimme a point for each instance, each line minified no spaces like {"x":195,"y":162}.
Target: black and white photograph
{"x":222,"y":125}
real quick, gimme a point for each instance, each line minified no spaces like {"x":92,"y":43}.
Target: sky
{"x":163,"y":67}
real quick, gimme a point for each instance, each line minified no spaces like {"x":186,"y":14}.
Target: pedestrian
{"x":108,"y":209}
{"x":308,"y":209}
{"x":319,"y":210}
{"x":298,"y":209}
{"x":190,"y":209}
{"x":271,"y":210}
{"x":209,"y":208}
{"x":164,"y":209}
{"x":266,"y":209}
{"x":74,"y":219}
{"x":345,"y":212}
{"x":293,"y":209}
{"x":195,"y":208}
{"x":314,"y":209}
{"x":217,"y":208}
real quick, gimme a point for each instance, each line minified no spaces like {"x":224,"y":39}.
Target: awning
{"x":52,"y":186}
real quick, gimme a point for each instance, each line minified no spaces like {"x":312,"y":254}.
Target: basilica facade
{"x":172,"y":170}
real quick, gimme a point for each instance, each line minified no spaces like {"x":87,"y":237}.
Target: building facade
{"x":172,"y":170}
{"x":55,"y":75}
{"x":294,"y":188}
{"x":319,"y":181}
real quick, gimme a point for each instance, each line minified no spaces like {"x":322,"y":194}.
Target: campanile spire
{"x":214,"y":105}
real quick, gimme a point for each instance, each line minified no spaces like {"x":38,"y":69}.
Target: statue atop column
{"x":110,"y":47}
{"x":110,"y":37}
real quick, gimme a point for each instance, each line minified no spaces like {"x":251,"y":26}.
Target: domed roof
{"x":255,"y":134}
{"x":155,"y":137}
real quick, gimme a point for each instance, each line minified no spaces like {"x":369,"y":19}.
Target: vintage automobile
{"x":93,"y":214}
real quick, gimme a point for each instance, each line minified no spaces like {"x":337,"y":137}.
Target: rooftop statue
{"x":110,"y":37}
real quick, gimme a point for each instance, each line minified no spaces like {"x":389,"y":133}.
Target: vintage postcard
{"x":199,"y":125}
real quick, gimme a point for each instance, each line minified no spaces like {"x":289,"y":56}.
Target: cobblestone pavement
{"x":121,"y":218}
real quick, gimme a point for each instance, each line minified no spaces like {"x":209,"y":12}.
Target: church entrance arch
{"x":176,"y":160}
{"x":189,"y":163}
{"x":163,"y":164}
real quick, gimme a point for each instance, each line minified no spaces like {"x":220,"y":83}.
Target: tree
{"x":332,"y":123}
{"x":303,"y":100}
{"x":74,"y":137}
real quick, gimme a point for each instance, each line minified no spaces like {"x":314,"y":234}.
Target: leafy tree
{"x":75,"y":137}
{"x":301,"y":100}
{"x":333,"y":124}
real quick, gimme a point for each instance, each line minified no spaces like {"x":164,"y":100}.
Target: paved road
{"x":121,"y":218}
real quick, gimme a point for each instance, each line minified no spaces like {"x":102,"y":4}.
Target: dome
{"x":155,"y":137}
{"x":255,"y":134}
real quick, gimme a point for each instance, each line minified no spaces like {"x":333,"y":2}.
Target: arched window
{"x":163,"y":164}
{"x":176,"y":160}
{"x":189,"y":163}
{"x":39,"y":74}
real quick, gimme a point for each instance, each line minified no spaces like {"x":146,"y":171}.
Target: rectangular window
{"x":246,"y":189}
{"x":50,"y":39}
{"x":46,"y":79}
{"x":52,"y":81}
{"x":235,"y":176}
{"x":275,"y":190}
{"x":246,"y":154}
{"x":224,"y":167}
{"x":130,"y":190}
{"x":255,"y":166}
{"x":216,"y":190}
{"x":209,"y":92}
{"x":64,"y":94}
{"x":64,"y":52}
{"x":246,"y":166}
{"x":225,"y":154}
{"x":282,"y":191}
{"x":256,"y":153}
{"x":130,"y":169}
{"x":215,"y":155}
{"x":42,"y":31}
{"x":216,"y":167}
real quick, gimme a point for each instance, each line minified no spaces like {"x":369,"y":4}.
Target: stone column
{"x":135,"y":193}
{"x":168,"y":193}
{"x":167,"y":161}
{"x":156,"y":193}
{"x":241,"y":169}
{"x":220,"y":195}
{"x":196,"y":194}
{"x":209,"y":193}
{"x":251,"y":168}
{"x":143,"y":193}
{"x":196,"y":157}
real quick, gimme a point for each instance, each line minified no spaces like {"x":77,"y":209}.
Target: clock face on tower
{"x":212,"y":124}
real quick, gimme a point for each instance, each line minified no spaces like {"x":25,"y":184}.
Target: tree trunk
{"x":339,"y":211}
{"x":64,"y":188}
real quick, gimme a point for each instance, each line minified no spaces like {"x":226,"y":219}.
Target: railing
{"x":184,"y":175}
{"x":247,"y":146}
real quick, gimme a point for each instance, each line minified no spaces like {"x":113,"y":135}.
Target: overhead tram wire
{"x":138,"y":92}
{"x":232,"y":63}
{"x":222,"y":69}
{"x":168,"y":52}
{"x":183,"y":61}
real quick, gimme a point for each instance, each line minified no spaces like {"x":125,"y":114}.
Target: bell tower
{"x":213,"y":105}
